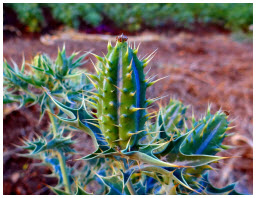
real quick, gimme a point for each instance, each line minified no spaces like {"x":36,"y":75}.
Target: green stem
{"x":63,"y":169}
{"x":61,"y":157}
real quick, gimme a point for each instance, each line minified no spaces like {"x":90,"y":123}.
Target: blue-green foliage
{"x":169,"y":158}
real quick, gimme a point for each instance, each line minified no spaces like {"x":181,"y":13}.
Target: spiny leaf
{"x":115,"y":185}
{"x":207,"y":137}
{"x":172,"y":154}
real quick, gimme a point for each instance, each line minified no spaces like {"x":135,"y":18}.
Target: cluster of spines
{"x":208,"y":134}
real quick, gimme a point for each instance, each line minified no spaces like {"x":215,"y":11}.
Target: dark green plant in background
{"x":134,"y":17}
{"x":29,"y":14}
{"x":133,"y":154}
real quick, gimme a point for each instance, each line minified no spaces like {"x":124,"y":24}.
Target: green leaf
{"x":207,"y":137}
{"x":172,"y":154}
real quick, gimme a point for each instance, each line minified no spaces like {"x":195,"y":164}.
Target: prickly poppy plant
{"x":133,"y":154}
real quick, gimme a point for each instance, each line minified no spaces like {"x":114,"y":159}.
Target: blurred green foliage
{"x":132,"y":17}
{"x":29,"y":14}
{"x":71,"y":14}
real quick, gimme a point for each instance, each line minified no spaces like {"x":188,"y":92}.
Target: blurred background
{"x":205,"y":49}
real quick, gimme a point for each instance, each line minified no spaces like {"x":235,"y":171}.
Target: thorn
{"x":109,"y":45}
{"x":92,"y":103}
{"x":109,"y":116}
{"x":109,"y":79}
{"x":136,"y":51}
{"x":93,"y":113}
{"x":129,"y":75}
{"x":132,"y":93}
{"x":150,"y":55}
{"x":124,"y":116}
{"x":152,"y":83}
{"x":148,"y":114}
{"x":95,"y":67}
{"x":128,"y":143}
{"x":130,"y":66}
{"x":150,"y":78}
{"x":141,"y":59}
{"x":203,"y":130}
{"x":209,"y":109}
{"x":23,"y":64}
{"x":98,"y":57}
{"x":134,"y":109}
{"x":130,"y":133}
{"x":193,"y":117}
{"x":96,"y":125}
{"x":146,"y":63}
{"x":151,"y":117}
{"x":148,"y":71}
{"x":119,"y":126}
{"x":111,"y":103}
{"x":107,"y":67}
{"x":118,"y":88}
{"x":127,"y":51}
{"x":229,"y":128}
{"x":128,"y":44}
{"x":185,"y":125}
{"x":118,"y":140}
{"x":96,"y":94}
{"x":93,"y":77}
{"x":226,"y":147}
{"x":152,"y":100}
{"x":93,"y":98}
{"x":218,"y":149}
{"x":94,"y":84}
{"x":94,"y":119}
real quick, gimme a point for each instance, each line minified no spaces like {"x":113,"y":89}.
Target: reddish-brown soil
{"x":201,"y":69}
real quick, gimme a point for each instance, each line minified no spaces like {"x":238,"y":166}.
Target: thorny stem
{"x":61,"y":158}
